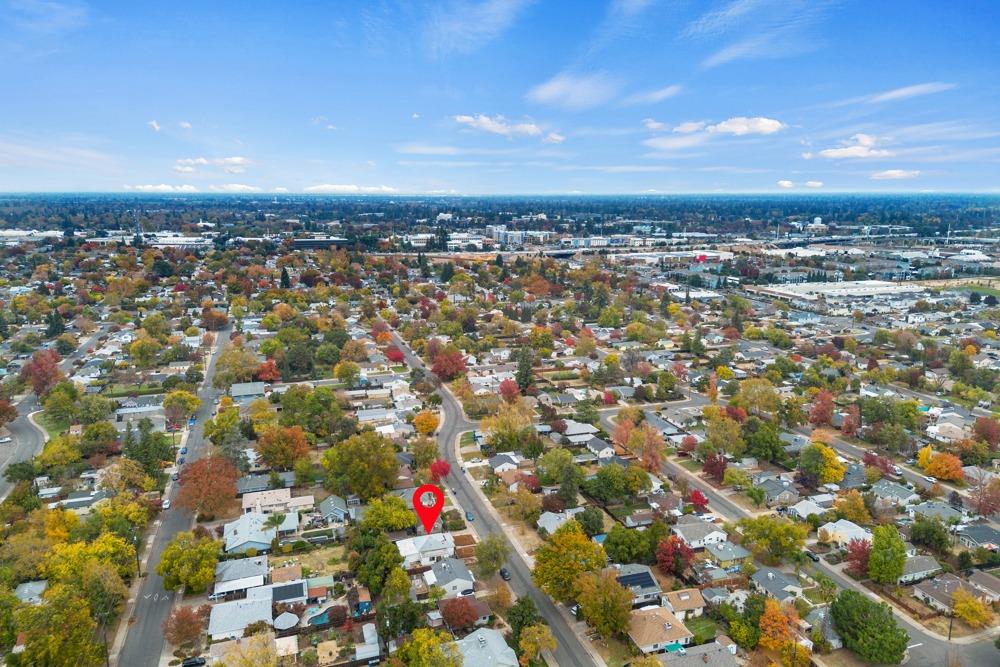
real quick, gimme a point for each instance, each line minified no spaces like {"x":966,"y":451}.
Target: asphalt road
{"x":570,"y":651}
{"x":27,"y":438}
{"x":144,"y":642}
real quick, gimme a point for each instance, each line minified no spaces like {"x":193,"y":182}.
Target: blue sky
{"x":499,"y":96}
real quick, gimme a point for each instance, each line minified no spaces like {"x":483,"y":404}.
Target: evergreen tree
{"x":55,"y":324}
{"x":286,"y":281}
{"x":524,"y":373}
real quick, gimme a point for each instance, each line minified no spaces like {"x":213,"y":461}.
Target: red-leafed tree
{"x":458,"y":613}
{"x":715,"y":465}
{"x":852,"y":421}
{"x":509,"y":391}
{"x":987,"y":429}
{"x":440,"y":469}
{"x":609,"y":397}
{"x":688,"y":444}
{"x":984,"y":496}
{"x":8,"y":412}
{"x":673,"y":555}
{"x":735,"y":413}
{"x":207,"y":484}
{"x":267,"y":372}
{"x":680,"y":371}
{"x":281,"y":447}
{"x":394,"y":354}
{"x":822,"y":408}
{"x":42,"y":371}
{"x":698,"y":499}
{"x":449,"y":365}
{"x":883,"y":463}
{"x":184,"y":625}
{"x":858,"y":553}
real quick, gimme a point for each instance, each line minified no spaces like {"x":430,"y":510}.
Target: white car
{"x":166,"y":504}
{"x":928,"y":478}
{"x":4,"y":441}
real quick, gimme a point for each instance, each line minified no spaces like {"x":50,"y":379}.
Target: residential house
{"x":686,"y":603}
{"x":275,"y":501}
{"x":720,"y":653}
{"x":254,"y":483}
{"x":578,"y":433}
{"x":775,"y":583}
{"x":697,"y":534}
{"x":819,"y":617}
{"x":245,"y":393}
{"x":486,"y":647}
{"x":451,"y":575}
{"x":479,"y":607}
{"x":916,"y":568}
{"x":728,"y":556}
{"x":333,"y":509}
{"x":228,"y":620}
{"x":425,"y":550}
{"x":249,"y":532}
{"x":987,"y":586}
{"x":639,"y":580}
{"x":938,"y":510}
{"x":803,"y":508}
{"x":779,"y":492}
{"x":890,"y":493}
{"x":656,"y":629}
{"x":550,"y":522}
{"x":842,"y":531}
{"x":602,"y":449}
{"x":30,"y":592}
{"x":234,"y":576}
{"x":504,"y":462}
{"x":980,"y":535}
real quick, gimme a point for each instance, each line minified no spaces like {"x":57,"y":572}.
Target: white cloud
{"x":917,"y":90}
{"x":690,"y":126}
{"x":652,"y":124}
{"x":814,"y":184}
{"x":674,"y":143}
{"x":348,"y":189}
{"x":722,"y":19}
{"x":184,"y":125}
{"x":414,"y":115}
{"x":428,"y":149}
{"x":154,"y":126}
{"x":466,"y":28}
{"x":894,"y":174}
{"x":280,"y":189}
{"x":58,"y":156}
{"x":574,"y":93}
{"x":231,"y":165}
{"x":742,"y":125}
{"x":554,"y":138}
{"x":498,"y":125}
{"x":859,"y":146}
{"x":234,"y":188}
{"x":786,"y":184}
{"x":653,"y":96}
{"x":162,"y":187}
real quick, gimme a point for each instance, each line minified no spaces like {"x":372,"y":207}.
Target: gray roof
{"x":774,"y":582}
{"x":710,"y":655}
{"x":447,"y":570}
{"x":981,"y":534}
{"x":486,"y":648}
{"x":253,"y":483}
{"x":333,"y":505}
{"x":696,"y":530}
{"x":725,"y":551}
{"x":818,"y":617}
{"x":886,"y":488}
{"x":31,"y":591}
{"x":775,"y":487}
{"x":919,"y":565}
{"x":241,"y":568}
{"x":638,"y":579}
{"x":231,"y":617}
{"x":242,"y":389}
{"x":936,"y":508}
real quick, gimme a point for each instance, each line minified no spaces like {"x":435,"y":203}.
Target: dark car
{"x":180,"y":461}
{"x":813,"y":557}
{"x":469,"y":517}
{"x":194,"y":662}
{"x":175,"y":477}
{"x":504,"y":574}
{"x":184,"y":450}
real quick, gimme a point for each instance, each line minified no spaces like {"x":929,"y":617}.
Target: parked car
{"x":194,"y":662}
{"x":505,"y":574}
{"x":928,"y":478}
{"x":175,"y":476}
{"x":184,"y":450}
{"x":5,"y":440}
{"x":811,"y":556}
{"x":469,"y":517}
{"x":165,"y":504}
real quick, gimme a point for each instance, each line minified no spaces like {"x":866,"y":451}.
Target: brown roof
{"x":288,"y":573}
{"x":656,"y":626}
{"x":464,"y":540}
{"x":685,"y":599}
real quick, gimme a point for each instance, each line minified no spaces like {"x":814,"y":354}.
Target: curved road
{"x":570,"y":651}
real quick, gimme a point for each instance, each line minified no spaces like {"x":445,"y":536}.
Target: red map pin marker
{"x":428,"y":513}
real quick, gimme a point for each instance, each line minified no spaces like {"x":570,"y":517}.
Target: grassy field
{"x":703,"y":628}
{"x":976,"y":288}
{"x":53,"y":427}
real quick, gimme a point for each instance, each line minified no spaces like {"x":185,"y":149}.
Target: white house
{"x":424,"y":550}
{"x":842,"y":531}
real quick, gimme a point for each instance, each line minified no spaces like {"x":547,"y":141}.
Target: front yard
{"x":703,"y":628}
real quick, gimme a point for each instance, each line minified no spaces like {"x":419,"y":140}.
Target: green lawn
{"x":976,"y":288}
{"x":466,"y":439}
{"x":812,"y":594}
{"x":703,"y":628}
{"x":691,"y":465}
{"x":53,"y":427}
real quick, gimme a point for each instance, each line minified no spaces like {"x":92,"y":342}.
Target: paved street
{"x":144,"y":642}
{"x":28,"y":439}
{"x":570,"y":651}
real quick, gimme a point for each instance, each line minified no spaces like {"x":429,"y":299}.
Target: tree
{"x":698,"y":500}
{"x":724,"y":435}
{"x":945,"y":466}
{"x":491,"y":553}
{"x":567,"y":554}
{"x":509,"y":390}
{"x":604,"y":603}
{"x":822,"y":408}
{"x":970,"y":609}
{"x":774,"y":626}
{"x":429,"y":648}
{"x":924,"y":457}
{"x":987,"y":430}
{"x":364,"y":464}
{"x":736,"y":478}
{"x":858,"y":553}
{"x":426,"y":422}
{"x":773,"y":536}
{"x":143,"y":351}
{"x":715,"y":466}
{"x":591,"y":519}
{"x":852,"y":507}
{"x":254,"y":651}
{"x":930,"y":532}
{"x":267,"y":372}
{"x":535,"y":639}
{"x":189,"y":562}
{"x":868,"y":628}
{"x":673,"y":555}
{"x":8,"y":412}
{"x":207,"y":484}
{"x":647,"y":442}
{"x":852,"y":421}
{"x":179,"y":405}
{"x":234,"y":364}
{"x":521,"y":615}
{"x":280,"y":447}
{"x":821,"y":461}
{"x":183,"y":627}
{"x":624,"y":545}
{"x":758,"y":396}
{"x":448,"y":365}
{"x":885,"y":564}
{"x":439,"y":470}
{"x":60,"y":631}
{"x":347,"y":372}
{"x":42,"y":371}
{"x":524,"y":374}
{"x":984,"y":497}
{"x":388,"y":514}
{"x":458,"y":613}
{"x":424,"y":450}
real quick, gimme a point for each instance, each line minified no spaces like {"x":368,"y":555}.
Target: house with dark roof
{"x":639,"y":580}
{"x":980,"y":535}
{"x":775,"y":583}
{"x":916,"y":568}
{"x":890,"y":493}
{"x":452,"y":576}
{"x":779,"y":492}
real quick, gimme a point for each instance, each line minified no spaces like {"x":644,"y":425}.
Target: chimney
{"x":482,"y":640}
{"x":770,"y":575}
